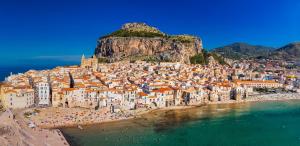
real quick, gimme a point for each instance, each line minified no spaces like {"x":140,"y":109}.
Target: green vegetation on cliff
{"x":218,"y":58}
{"x":202,"y":58}
{"x":103,"y":60}
{"x":126,"y":33}
{"x":148,"y":58}
{"x":143,"y":30}
{"x":182,"y":38}
{"x":139,"y":41}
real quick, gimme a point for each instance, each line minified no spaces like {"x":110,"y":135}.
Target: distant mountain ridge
{"x":245,"y":51}
{"x":288,"y":52}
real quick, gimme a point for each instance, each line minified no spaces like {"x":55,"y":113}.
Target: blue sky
{"x":42,"y":31}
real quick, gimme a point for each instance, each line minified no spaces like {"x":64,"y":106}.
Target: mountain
{"x":243,"y":50}
{"x":288,"y":52}
{"x":139,"y":41}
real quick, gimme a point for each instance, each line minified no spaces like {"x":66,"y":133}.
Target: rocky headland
{"x":138,"y":41}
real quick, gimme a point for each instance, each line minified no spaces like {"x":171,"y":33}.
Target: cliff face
{"x":136,"y":42}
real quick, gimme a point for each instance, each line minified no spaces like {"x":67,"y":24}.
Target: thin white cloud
{"x":59,"y":57}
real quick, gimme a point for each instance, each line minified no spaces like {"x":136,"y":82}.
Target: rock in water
{"x":139,"y":41}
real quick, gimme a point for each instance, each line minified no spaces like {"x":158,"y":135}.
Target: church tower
{"x":82,"y":60}
{"x":94,"y":63}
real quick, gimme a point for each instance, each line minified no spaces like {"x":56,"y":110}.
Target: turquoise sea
{"x":248,"y":124}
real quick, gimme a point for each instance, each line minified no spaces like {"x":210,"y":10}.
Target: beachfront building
{"x":42,"y":93}
{"x":142,"y":100}
{"x":194,"y":95}
{"x":130,"y":98}
{"x":258,"y":83}
{"x":18,"y":98}
{"x":74,"y":97}
{"x":240,"y":93}
{"x":178,"y":96}
{"x":125,"y":85}
{"x":2,"y":87}
{"x":16,"y":92}
{"x":91,"y":99}
{"x":220,"y":91}
{"x":115,"y":97}
{"x":165,"y":97}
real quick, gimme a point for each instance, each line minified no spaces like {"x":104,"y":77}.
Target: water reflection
{"x":187,"y":126}
{"x":167,"y":120}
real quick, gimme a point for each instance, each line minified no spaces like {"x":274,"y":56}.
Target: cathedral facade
{"x":89,"y":63}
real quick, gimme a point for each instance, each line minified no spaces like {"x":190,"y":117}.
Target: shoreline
{"x":139,"y":113}
{"x":15,"y":131}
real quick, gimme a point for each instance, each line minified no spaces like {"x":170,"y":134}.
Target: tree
{"x":197,"y":59}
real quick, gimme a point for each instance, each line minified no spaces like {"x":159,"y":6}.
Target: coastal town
{"x":117,"y":83}
{"x":96,"y":92}
{"x":124,"y":86}
{"x":129,"y":86}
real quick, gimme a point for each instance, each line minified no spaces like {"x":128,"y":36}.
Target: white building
{"x":42,"y":93}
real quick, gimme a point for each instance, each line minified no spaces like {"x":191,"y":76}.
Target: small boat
{"x":79,"y":127}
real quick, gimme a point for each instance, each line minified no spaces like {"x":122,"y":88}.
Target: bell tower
{"x":82,"y":60}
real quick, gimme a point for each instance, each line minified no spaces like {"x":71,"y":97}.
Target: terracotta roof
{"x":142,"y":94}
{"x":10,"y":91}
{"x":162,"y":90}
{"x":152,"y":97}
{"x":68,"y":89}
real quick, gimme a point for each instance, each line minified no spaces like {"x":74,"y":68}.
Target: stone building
{"x":18,"y":98}
{"x":240,"y":93}
{"x":89,"y":63}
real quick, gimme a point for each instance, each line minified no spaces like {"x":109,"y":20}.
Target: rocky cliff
{"x":140,"y":41}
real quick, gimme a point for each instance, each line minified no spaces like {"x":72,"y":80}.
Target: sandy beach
{"x":14,"y":131}
{"x":273,"y":97}
{"x":71,"y":117}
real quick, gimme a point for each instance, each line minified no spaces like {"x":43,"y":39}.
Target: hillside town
{"x":128,"y":86}
{"x":95,"y":92}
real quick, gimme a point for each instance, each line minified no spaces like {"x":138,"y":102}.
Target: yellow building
{"x":1,"y":94}
{"x":89,"y":63}
{"x":258,"y":83}
{"x":18,"y":98}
